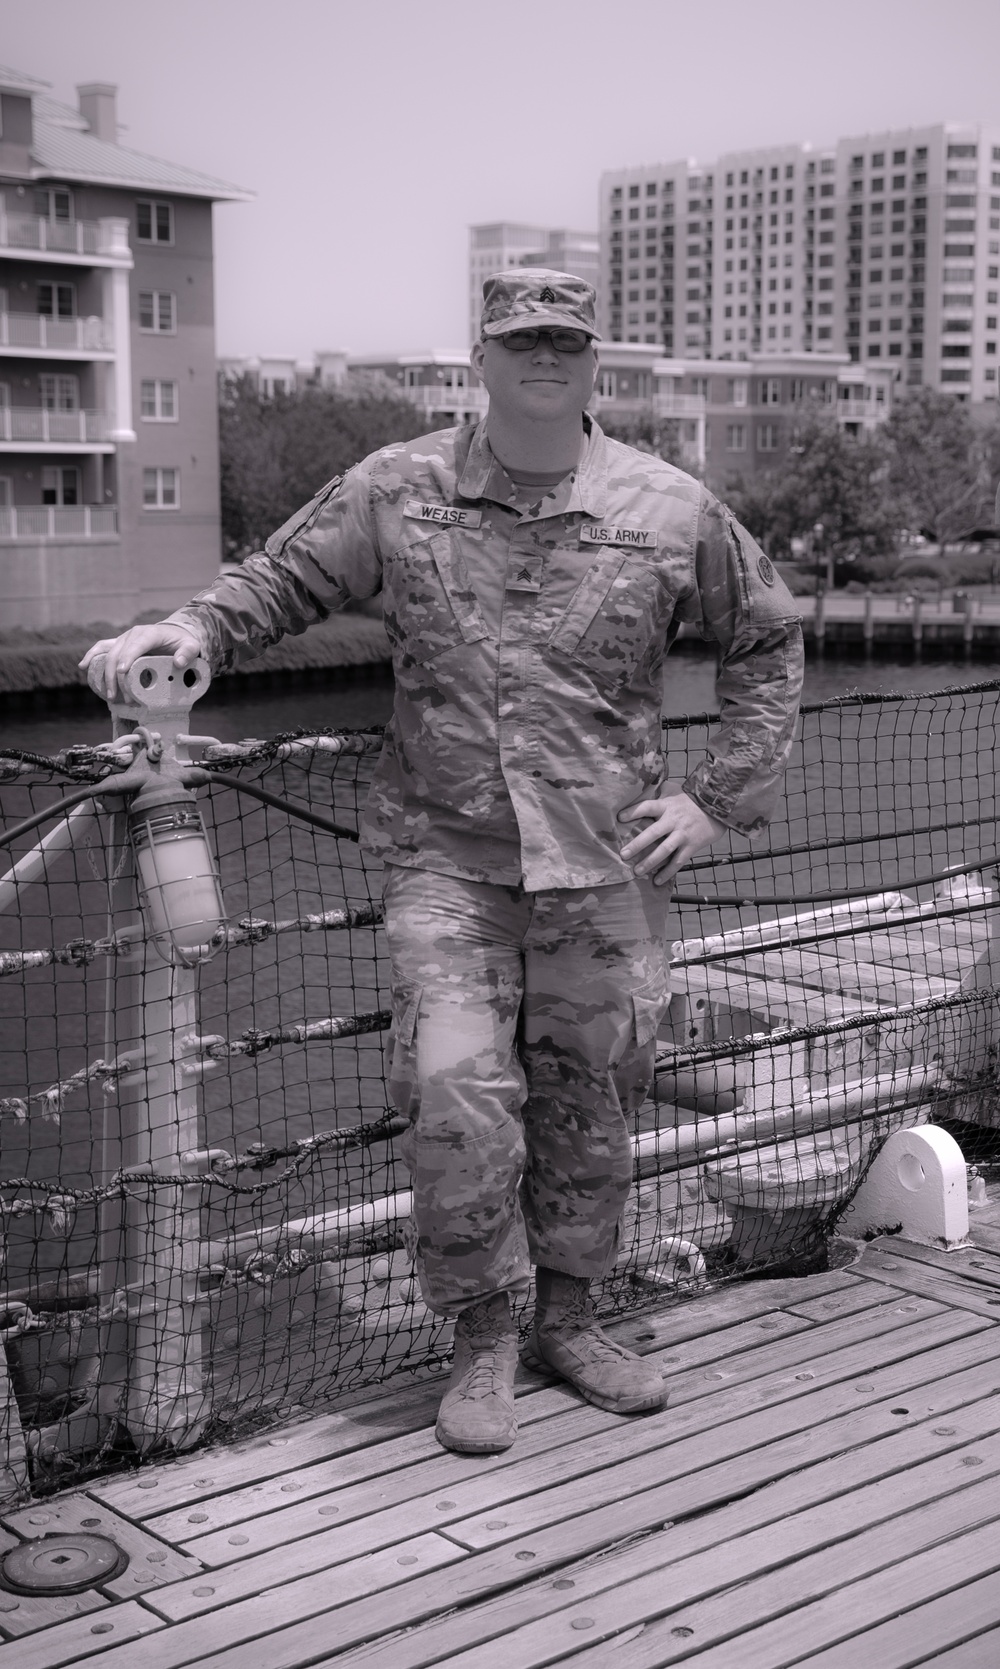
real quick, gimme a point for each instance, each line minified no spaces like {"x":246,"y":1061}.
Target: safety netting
{"x":204,"y":1212}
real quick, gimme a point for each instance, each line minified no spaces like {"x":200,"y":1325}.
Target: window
{"x":59,"y":393}
{"x":60,"y":486}
{"x":56,"y":301}
{"x":6,"y":491}
{"x":767,"y":437}
{"x":699,"y":385}
{"x":158,"y":402}
{"x":161,"y":489}
{"x":736,"y":389}
{"x":736,"y":437}
{"x":961,"y":150}
{"x":607,"y":384}
{"x":154,"y":222}
{"x":157,"y":311}
{"x":769,"y":391}
{"x":53,"y":203}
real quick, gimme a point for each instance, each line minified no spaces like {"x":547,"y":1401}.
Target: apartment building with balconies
{"x":883,"y":246}
{"x":919,"y":246}
{"x":440,"y":382}
{"x":109,"y":468}
{"x":739,"y":416}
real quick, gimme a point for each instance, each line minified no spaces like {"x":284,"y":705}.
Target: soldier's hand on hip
{"x":678,"y":828}
{"x":118,"y":653}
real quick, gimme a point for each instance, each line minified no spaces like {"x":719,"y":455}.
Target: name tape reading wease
{"x":639,"y":538}
{"x":446,"y":515}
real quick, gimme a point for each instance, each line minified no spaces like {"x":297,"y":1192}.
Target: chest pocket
{"x":429,"y":605}
{"x":618,"y":616}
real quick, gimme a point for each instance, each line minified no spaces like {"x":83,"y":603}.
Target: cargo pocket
{"x":649,"y":1004}
{"x":633,"y":1074}
{"x":402,"y":1082}
{"x":616,"y":620}
{"x":429,"y":605}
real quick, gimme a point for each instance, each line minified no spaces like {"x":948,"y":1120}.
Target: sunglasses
{"x":560,"y":341}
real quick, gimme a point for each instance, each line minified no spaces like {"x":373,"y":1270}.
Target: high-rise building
{"x":109,"y":465}
{"x":505,"y":243}
{"x":884,"y":246}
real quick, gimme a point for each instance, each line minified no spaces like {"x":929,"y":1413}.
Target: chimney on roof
{"x":97,"y":107}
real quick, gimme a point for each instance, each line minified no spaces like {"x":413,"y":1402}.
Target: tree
{"x":829,"y":476}
{"x":276,"y":453}
{"x":660,"y":436}
{"x":942,"y":465}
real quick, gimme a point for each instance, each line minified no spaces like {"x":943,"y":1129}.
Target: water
{"x":232,"y":712}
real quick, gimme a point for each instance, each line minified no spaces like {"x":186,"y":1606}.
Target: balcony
{"x":32,"y":333}
{"x":102,"y":243}
{"x":679,"y":405}
{"x":28,"y":429}
{"x":434,"y":398}
{"x":58,"y":521}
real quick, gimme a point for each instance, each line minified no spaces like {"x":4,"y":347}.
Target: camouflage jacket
{"x":511,"y":752}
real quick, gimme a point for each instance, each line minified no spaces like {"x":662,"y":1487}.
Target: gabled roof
{"x":64,"y":147}
{"x":14,"y":81}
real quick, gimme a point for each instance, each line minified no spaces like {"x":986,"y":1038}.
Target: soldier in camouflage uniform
{"x":533,"y":573}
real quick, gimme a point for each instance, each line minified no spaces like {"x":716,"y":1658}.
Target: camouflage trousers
{"x":524,"y":1034}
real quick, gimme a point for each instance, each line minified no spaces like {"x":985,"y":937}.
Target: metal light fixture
{"x":178,"y":878}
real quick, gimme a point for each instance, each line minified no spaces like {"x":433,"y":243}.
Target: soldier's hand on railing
{"x":677,"y":829}
{"x":107,"y":661}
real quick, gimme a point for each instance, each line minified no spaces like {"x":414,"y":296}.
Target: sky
{"x":374,"y":133}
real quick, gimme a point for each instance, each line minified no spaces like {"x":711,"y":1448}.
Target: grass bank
{"x":48,"y":659}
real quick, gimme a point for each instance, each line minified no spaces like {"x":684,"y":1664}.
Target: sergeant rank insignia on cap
{"x":547,"y":294}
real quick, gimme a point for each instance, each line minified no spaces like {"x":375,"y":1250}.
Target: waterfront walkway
{"x":949,"y":618}
{"x":822,"y":1488}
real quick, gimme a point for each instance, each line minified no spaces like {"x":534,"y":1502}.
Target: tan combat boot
{"x":568,"y":1341}
{"x":477,"y":1415}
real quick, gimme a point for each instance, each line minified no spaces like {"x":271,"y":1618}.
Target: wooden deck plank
{"x":982,"y":1651}
{"x":835,"y":1304}
{"x":75,"y":1641}
{"x":750,"y":1621}
{"x":943,"y":1567}
{"x":926,"y":1634}
{"x":971,"y":1263}
{"x":728,"y":1306}
{"x":421,"y":1448}
{"x":930,"y":1283}
{"x":316,"y":1597}
{"x":21,"y":1614}
{"x":807,"y":1486}
{"x":550,"y":1460}
{"x":959,"y":1365}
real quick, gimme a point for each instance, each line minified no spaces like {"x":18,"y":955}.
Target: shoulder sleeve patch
{"x":303,"y":519}
{"x":765,"y":570}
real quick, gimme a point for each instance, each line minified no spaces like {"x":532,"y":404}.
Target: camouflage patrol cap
{"x":535,"y":296}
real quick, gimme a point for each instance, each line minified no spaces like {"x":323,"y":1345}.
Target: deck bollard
{"x":151,"y":1241}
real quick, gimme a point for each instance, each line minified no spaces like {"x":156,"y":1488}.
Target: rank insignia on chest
{"x":631,"y":538}
{"x":524,"y":573}
{"x":444,"y":515}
